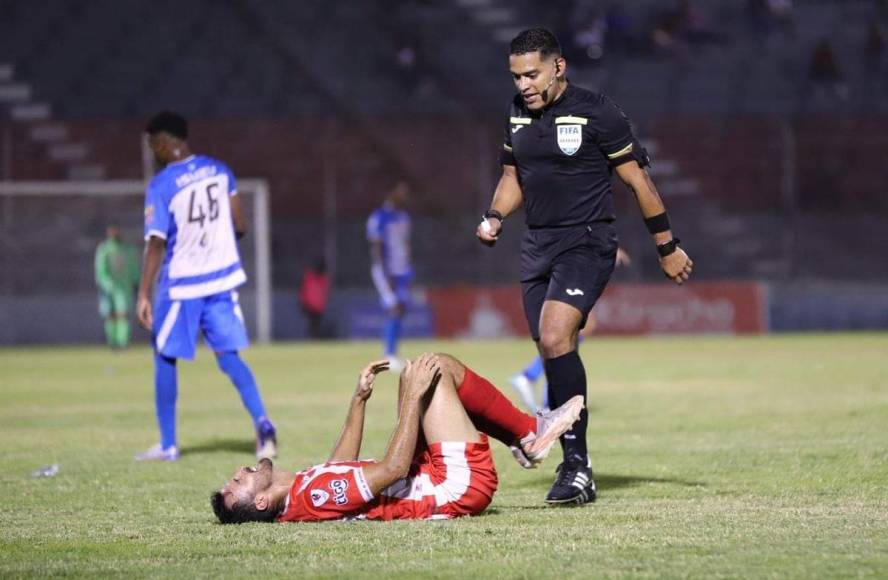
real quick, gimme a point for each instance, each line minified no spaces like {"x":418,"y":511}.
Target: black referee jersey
{"x":565,"y":154}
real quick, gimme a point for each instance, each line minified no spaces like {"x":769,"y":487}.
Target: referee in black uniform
{"x":561,"y":145}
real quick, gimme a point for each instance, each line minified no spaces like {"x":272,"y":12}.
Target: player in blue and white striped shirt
{"x":192,"y":219}
{"x":388,"y":231}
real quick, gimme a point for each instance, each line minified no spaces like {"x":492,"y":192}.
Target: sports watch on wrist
{"x":492,"y":213}
{"x":667,"y":248}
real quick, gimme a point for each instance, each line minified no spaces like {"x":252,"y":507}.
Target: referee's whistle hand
{"x":488,"y":231}
{"x":677,"y":266}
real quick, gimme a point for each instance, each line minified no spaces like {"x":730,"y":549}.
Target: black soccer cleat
{"x":574,"y":483}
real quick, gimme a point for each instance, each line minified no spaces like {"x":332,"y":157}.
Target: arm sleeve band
{"x":658,"y":223}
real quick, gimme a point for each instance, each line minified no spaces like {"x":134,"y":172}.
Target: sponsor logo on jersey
{"x":518,"y":123}
{"x":318,"y":497}
{"x":149,"y":214}
{"x":339,"y":487}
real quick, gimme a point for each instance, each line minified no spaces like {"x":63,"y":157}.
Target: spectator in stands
{"x":758,"y":16}
{"x":767,"y":16}
{"x":781,"y":13}
{"x":668,"y":33}
{"x":873,"y":48}
{"x":681,"y":28}
{"x":882,"y":8}
{"x":408,"y":64}
{"x":314,"y":292}
{"x":620,"y":30}
{"x":825,"y":75}
{"x":405,"y":65}
{"x":589,"y":37}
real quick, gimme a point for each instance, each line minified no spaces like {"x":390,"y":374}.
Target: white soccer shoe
{"x":525,"y":390}
{"x":267,"y":450}
{"x":158,"y":453}
{"x":266,"y":440}
{"x":533,"y":449}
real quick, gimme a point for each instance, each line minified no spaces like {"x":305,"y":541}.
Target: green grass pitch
{"x":715,"y":457}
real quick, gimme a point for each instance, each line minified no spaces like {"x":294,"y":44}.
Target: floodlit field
{"x":715,"y":457}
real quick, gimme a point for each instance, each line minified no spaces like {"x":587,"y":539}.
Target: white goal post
{"x":261,"y":230}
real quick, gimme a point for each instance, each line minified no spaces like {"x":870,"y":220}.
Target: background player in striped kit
{"x":192,"y":219}
{"x":388,"y":232}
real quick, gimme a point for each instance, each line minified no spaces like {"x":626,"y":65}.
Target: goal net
{"x":49,"y":231}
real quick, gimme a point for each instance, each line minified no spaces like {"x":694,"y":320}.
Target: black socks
{"x":567,"y":377}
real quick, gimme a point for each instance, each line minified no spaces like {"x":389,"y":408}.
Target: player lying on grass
{"x":437,"y":464}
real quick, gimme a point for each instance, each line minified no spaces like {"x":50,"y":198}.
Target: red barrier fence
{"x":625,"y":309}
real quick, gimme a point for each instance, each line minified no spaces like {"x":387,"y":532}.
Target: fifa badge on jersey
{"x":570,"y":137}
{"x":318,"y":497}
{"x":149,"y":214}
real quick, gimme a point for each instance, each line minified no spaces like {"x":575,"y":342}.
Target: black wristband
{"x":492,"y":213}
{"x":667,"y":248}
{"x":658,"y":223}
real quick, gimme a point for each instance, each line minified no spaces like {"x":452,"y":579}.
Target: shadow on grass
{"x":221,"y":445}
{"x":606,"y":481}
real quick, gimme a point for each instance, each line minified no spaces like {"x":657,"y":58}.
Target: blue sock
{"x":391,"y":335}
{"x":165,"y":391}
{"x":242,"y":377}
{"x":534,"y":370}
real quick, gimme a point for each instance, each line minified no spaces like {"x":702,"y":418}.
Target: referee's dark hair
{"x":535,"y":39}
{"x":168,"y":122}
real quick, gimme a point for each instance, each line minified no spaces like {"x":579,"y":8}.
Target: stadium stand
{"x":255,"y":59}
{"x":334,"y":95}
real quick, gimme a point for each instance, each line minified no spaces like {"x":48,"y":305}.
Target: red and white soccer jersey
{"x":447,"y":480}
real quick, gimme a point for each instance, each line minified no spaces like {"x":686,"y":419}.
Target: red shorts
{"x":447,"y":480}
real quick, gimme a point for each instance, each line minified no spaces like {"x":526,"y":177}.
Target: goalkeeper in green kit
{"x":117,"y":276}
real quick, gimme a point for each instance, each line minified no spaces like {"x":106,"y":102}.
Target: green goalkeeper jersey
{"x":117,"y":266}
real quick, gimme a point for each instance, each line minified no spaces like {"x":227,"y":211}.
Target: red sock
{"x":491,"y":411}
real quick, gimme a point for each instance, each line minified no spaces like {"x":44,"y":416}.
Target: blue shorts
{"x":400,"y":289}
{"x":219,"y":317}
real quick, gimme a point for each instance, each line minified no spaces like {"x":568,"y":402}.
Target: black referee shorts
{"x":570,"y":264}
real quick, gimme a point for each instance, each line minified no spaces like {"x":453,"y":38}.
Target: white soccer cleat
{"x":268,"y":450}
{"x":525,"y":390}
{"x":266,"y":440}
{"x":550,"y":427}
{"x":158,"y":453}
{"x":518,"y":453}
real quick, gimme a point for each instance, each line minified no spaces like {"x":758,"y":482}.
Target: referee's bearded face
{"x":536,"y":78}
